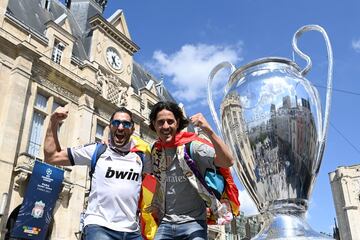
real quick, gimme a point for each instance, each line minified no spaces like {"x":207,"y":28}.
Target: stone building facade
{"x":54,"y":54}
{"x":345,"y":186}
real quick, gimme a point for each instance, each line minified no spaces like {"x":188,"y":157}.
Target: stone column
{"x":13,"y":113}
{"x":3,"y":6}
{"x":86,"y":109}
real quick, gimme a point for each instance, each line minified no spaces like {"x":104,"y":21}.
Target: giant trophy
{"x":271,"y":117}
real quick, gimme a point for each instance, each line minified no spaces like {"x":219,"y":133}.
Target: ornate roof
{"x":43,"y":11}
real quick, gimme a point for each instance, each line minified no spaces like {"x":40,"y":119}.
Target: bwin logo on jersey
{"x":127,"y":175}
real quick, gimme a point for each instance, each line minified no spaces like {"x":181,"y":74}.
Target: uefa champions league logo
{"x":38,"y":210}
{"x":48,"y":172}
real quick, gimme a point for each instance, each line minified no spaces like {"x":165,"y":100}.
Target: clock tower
{"x":107,"y":42}
{"x":69,"y":55}
{"x":111,"y":47}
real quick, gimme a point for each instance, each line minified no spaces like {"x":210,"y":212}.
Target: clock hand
{"x":114,"y":60}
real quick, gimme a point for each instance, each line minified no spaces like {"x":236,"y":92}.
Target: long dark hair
{"x":172,"y":107}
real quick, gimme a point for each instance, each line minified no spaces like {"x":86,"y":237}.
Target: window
{"x":55,"y":106}
{"x":45,"y":4}
{"x":99,"y":132}
{"x":37,"y":126}
{"x":150,"y":106}
{"x":57,"y":51}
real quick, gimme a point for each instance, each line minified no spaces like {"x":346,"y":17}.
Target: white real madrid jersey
{"x":115,"y":188}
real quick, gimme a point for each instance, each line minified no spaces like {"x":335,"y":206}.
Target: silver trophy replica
{"x":271,"y":118}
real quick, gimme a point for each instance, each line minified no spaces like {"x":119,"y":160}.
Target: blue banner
{"x":41,"y":195}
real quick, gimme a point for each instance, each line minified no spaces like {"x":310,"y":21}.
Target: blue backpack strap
{"x":192,"y":165}
{"x":99,"y":149}
{"x":142,"y":156}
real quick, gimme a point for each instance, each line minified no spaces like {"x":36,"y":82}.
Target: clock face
{"x":113,"y":58}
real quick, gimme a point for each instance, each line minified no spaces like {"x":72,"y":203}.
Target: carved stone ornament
{"x":123,"y":95}
{"x":356,"y":191}
{"x":101,"y":81}
{"x":66,"y":192}
{"x":25,"y":161}
{"x":113,"y":93}
{"x":102,"y":3}
{"x":104,"y":114}
{"x":110,"y":88}
{"x":99,"y":48}
{"x":56,"y":88}
{"x":128,"y":69}
{"x":20,"y":179}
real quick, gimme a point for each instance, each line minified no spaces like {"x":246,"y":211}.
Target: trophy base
{"x":291,"y":227}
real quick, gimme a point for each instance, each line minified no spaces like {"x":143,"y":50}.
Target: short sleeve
{"x":81,"y":155}
{"x":203,"y":155}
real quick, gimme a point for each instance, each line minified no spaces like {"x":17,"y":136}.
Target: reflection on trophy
{"x":271,"y":117}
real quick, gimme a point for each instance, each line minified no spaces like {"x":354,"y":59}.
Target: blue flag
{"x":41,"y":195}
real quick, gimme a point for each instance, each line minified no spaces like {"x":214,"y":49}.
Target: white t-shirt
{"x":115,"y":188}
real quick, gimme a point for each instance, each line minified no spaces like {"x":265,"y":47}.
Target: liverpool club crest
{"x":38,"y":210}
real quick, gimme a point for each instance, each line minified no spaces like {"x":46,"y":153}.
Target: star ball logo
{"x":48,"y":172}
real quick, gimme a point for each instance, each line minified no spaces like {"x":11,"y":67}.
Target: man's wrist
{"x":208,"y":131}
{"x":54,"y":123}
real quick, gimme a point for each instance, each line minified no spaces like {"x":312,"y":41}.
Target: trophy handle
{"x":325,"y":125}
{"x":212,"y":74}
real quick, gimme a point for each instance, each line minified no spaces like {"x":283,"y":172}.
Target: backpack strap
{"x":192,"y":165}
{"x":99,"y":149}
{"x":213,"y":180}
{"x":142,"y":156}
{"x":188,"y":148}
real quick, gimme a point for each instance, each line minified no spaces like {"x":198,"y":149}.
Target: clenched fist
{"x":59,"y":115}
{"x":198,"y":120}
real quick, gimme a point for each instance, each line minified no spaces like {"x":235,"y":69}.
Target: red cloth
{"x":231,"y":191}
{"x":181,"y":138}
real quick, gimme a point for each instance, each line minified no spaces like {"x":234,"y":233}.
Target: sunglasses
{"x":125,"y":124}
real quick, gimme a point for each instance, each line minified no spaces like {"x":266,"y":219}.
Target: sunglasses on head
{"x":125,"y":124}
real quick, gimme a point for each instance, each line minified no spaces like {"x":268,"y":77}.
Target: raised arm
{"x":223,"y":156}
{"x":52,"y":150}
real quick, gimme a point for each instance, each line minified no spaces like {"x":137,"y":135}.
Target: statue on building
{"x":102,"y":3}
{"x":123,"y":94}
{"x":101,"y":81}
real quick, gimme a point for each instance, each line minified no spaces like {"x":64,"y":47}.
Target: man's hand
{"x":198,"y":120}
{"x":59,"y":115}
{"x":223,"y":156}
{"x":53,"y":153}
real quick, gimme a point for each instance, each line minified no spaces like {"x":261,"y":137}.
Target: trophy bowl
{"x":271,"y":118}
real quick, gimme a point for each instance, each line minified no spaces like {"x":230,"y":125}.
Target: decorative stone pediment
{"x":98,"y":22}
{"x":119,"y":22}
{"x":151,"y":87}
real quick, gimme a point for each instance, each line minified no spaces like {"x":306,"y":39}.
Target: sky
{"x":183,"y":40}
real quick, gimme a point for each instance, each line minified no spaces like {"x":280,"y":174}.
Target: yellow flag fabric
{"x":147,"y":221}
